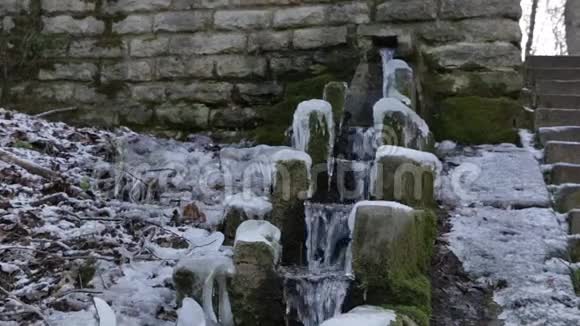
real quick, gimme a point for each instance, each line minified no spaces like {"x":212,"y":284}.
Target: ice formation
{"x":364,"y":315}
{"x":105,"y":314}
{"x":301,"y":128}
{"x":190,"y":314}
{"x":413,"y":127}
{"x":212,"y":268}
{"x":254,"y":207}
{"x":391,"y":87}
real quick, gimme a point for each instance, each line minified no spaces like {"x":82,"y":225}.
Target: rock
{"x":234,"y":118}
{"x":70,"y":25}
{"x":269,"y":41}
{"x":407,"y":10}
{"x":299,"y":16}
{"x":457,"y":9}
{"x":71,"y":71}
{"x":477,"y":120}
{"x":257,"y":295}
{"x":335,"y":94}
{"x":311,"y":38}
{"x":67,"y":5}
{"x":137,"y":70}
{"x":149,"y":46}
{"x":112,"y":7}
{"x":396,"y":124}
{"x":184,"y":115}
{"x":470,"y":56}
{"x":186,"y":21}
{"x":207,"y":43}
{"x":391,"y":251}
{"x":205,"y":92}
{"x":405,"y":175}
{"x":365,"y":90}
{"x":239,"y":66}
{"x":134,"y":24}
{"x":506,"y":83}
{"x":242,"y":19}
{"x":574,"y":224}
{"x":349,"y":13}
{"x":243,"y":207}
{"x":567,"y":198}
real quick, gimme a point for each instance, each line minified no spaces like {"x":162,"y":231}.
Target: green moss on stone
{"x":398,"y":275}
{"x":477,"y":120}
{"x":415,"y":314}
{"x":576,"y":281}
{"x":319,"y":139}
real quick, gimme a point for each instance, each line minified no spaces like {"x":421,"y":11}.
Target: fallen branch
{"x":51,"y":112}
{"x":28,"y":166}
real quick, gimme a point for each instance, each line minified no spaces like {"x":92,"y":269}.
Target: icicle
{"x":390,"y":84}
{"x":386,"y":55}
{"x":226,"y":317}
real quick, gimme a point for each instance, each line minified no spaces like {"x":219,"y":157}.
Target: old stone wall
{"x":573,"y":26}
{"x":238,"y":66}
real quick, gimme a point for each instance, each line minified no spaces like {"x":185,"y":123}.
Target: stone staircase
{"x":555,"y":85}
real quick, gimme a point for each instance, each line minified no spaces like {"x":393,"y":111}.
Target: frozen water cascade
{"x":387,"y":55}
{"x":328,"y":235}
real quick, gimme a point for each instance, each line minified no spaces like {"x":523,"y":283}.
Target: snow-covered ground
{"x":124,"y":209}
{"x":505,"y":234}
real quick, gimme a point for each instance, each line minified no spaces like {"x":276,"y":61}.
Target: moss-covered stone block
{"x":507,"y":83}
{"x":406,"y":176}
{"x":392,"y":247}
{"x":567,"y":198}
{"x":335,"y":94}
{"x":291,"y":187}
{"x":477,"y":120}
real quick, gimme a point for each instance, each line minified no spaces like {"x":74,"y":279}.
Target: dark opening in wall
{"x":391,"y":42}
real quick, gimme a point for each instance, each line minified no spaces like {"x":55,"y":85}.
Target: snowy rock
{"x":405,"y":175}
{"x":498,"y":176}
{"x":364,"y":315}
{"x":567,"y":197}
{"x":256,"y":286}
{"x":444,"y":148}
{"x":396,"y":124}
{"x":391,"y":246}
{"x":242,"y":207}
{"x":398,"y":82}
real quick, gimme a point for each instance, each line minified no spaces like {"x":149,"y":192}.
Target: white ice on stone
{"x":301,"y":128}
{"x":105,"y":314}
{"x":387,"y":107}
{"x":252,"y":231}
{"x":190,"y":314}
{"x":445,"y":147}
{"x":364,"y":316}
{"x":390,"y":87}
{"x":211,"y":269}
{"x":254,"y":207}
{"x":387,"y":55}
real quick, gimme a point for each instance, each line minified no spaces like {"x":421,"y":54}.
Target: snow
{"x":301,"y":126}
{"x":424,"y":158}
{"x":503,"y":233}
{"x":388,"y":204}
{"x":499,"y":176}
{"x":389,"y":106}
{"x":364,"y":315}
{"x":190,"y":314}
{"x":252,"y":231}
{"x":253,"y":207}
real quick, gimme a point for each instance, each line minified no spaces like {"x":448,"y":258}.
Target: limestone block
{"x":234,"y":118}
{"x":200,"y":66}
{"x":14,"y":6}
{"x":471,"y":55}
{"x":204,"y":92}
{"x":140,"y":70}
{"x":335,"y":94}
{"x":208,"y":43}
{"x":299,"y":16}
{"x":67,"y":5}
{"x":477,"y":30}
{"x":349,"y":13}
{"x":405,"y":175}
{"x":476,"y":83}
{"x":186,"y":21}
{"x":70,"y":71}
{"x":574,"y":224}
{"x":183,"y":114}
{"x":459,"y":9}
{"x":391,"y":252}
{"x":242,"y":19}
{"x":70,"y":25}
{"x":117,"y":6}
{"x":257,"y":296}
{"x":149,"y":46}
{"x":319,"y":37}
{"x":91,"y":48}
{"x":269,"y":41}
{"x":260,"y":92}
{"x":134,"y":24}
{"x":407,"y":10}
{"x":239,"y":66}
{"x":567,"y":198}
{"x":194,"y":66}
{"x":148,"y":92}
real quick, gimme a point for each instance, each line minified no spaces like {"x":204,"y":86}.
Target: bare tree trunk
{"x":533,"y":16}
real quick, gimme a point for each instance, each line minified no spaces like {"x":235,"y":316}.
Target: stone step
{"x":553,"y":61}
{"x":565,"y":173}
{"x":557,"y":117}
{"x":563,"y":87}
{"x":567,"y":198}
{"x":562,"y":152}
{"x":558,"y":101}
{"x":574,"y":221}
{"x":564,"y":133}
{"x":534,"y":75}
